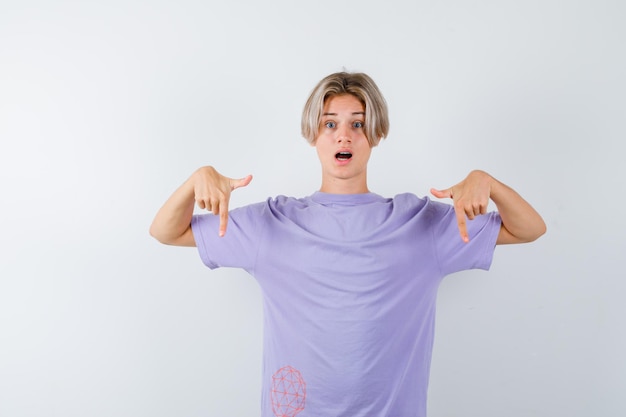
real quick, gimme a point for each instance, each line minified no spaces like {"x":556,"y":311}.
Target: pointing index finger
{"x":462,"y":223}
{"x":223,"y":216}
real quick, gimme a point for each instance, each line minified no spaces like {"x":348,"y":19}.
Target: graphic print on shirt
{"x":288,"y":392}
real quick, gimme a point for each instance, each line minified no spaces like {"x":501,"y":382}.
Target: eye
{"x":330,"y":124}
{"x":358,"y":125}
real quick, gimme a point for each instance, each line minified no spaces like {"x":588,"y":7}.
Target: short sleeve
{"x":453,"y":254}
{"x":238,"y":248}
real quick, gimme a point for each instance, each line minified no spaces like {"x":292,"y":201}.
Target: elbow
{"x":540,"y":227}
{"x":156,"y":233}
{"x":525,"y":235}
{"x":539,"y":230}
{"x":171,"y":237}
{"x":542,"y":230}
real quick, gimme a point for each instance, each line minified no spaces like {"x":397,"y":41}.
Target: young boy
{"x":349,"y":278}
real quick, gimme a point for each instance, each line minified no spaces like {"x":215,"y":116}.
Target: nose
{"x":343,"y":135}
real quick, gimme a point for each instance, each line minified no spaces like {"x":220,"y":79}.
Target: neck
{"x":338,"y":186}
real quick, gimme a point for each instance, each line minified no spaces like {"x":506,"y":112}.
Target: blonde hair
{"x":357,"y":84}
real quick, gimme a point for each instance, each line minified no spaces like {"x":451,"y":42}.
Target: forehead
{"x":342,"y":104}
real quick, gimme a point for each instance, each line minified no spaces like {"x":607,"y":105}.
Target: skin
{"x":207,"y":188}
{"x":341,"y":129}
{"x":520,"y":222}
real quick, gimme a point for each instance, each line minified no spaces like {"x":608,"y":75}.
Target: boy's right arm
{"x":205,"y":187}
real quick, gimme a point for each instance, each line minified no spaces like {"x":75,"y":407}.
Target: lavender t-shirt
{"x":349,"y":284}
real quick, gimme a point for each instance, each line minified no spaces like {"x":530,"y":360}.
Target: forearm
{"x":520,"y":220}
{"x":173,"y":220}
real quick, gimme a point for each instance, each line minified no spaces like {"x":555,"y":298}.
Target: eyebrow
{"x":353,"y":113}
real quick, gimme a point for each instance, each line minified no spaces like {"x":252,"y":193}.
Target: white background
{"x":106,"y":107}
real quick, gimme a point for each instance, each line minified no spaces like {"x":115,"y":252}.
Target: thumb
{"x":447,"y":193}
{"x":241,"y":182}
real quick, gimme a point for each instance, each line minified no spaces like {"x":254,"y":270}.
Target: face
{"x":342,"y":146}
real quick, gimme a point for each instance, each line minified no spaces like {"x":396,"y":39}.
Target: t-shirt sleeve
{"x":453,"y":254}
{"x":238,"y":248}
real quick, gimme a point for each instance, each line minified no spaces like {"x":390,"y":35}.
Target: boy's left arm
{"x":520,"y":221}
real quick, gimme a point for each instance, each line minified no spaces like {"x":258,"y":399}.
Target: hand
{"x":212,"y":192}
{"x":470,"y":196}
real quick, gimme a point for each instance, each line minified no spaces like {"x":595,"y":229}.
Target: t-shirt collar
{"x":346,"y":199}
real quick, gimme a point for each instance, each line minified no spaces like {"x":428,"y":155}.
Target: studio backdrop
{"x":107,"y":107}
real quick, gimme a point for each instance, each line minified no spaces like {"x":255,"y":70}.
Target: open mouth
{"x":343,"y":156}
